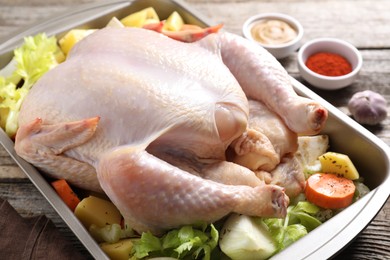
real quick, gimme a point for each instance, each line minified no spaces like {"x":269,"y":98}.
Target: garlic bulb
{"x":368,"y":107}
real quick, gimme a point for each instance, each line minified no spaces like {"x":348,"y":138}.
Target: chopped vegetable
{"x":360,"y":191}
{"x":244,"y":237}
{"x":329,"y":191}
{"x":66,"y":193}
{"x":174,"y":22}
{"x":304,"y":213}
{"x":97,"y":211}
{"x":140,"y":18}
{"x":310,"y":148}
{"x":72,"y":37}
{"x":34,"y":58}
{"x":108,"y":233}
{"x":178,"y":243}
{"x":120,"y":250}
{"x":339,"y":164}
{"x":285,"y":234}
{"x":115,"y":23}
{"x":325,"y":214}
{"x":300,"y":219}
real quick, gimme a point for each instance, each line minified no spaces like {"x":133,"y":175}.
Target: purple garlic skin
{"x":368,"y":107}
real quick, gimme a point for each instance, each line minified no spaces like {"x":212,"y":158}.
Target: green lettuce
{"x":299,"y":221}
{"x":31,"y":61}
{"x":180,"y":243}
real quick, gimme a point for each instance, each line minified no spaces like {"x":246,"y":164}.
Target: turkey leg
{"x":154,"y":195}
{"x":263,"y":78}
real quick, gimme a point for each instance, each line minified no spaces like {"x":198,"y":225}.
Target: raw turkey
{"x":149,"y":120}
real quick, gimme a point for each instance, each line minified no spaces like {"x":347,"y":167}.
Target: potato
{"x":174,"y":22}
{"x":3,"y":115}
{"x":115,"y":23}
{"x":120,"y":250}
{"x":340,"y":164}
{"x":72,"y":37}
{"x":140,"y":18}
{"x":94,"y":210}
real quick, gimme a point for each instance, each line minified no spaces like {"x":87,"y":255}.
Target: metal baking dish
{"x":369,"y":153}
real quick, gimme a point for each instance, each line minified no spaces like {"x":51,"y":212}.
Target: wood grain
{"x":363,"y":23}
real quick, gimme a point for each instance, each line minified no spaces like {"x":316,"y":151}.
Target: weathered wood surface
{"x":363,"y":23}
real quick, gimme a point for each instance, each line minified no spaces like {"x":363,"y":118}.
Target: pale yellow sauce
{"x":272,"y":32}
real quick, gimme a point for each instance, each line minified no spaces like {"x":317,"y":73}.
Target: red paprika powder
{"x":328,"y":64}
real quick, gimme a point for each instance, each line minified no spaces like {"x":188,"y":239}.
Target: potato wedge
{"x":174,"y":22}
{"x":140,"y":18}
{"x":339,"y":164}
{"x":72,"y":37}
{"x":94,"y":210}
{"x":120,"y":250}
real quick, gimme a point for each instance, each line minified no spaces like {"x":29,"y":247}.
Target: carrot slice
{"x":329,"y":190}
{"x":66,"y":193}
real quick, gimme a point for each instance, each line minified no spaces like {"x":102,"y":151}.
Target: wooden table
{"x":363,"y":23}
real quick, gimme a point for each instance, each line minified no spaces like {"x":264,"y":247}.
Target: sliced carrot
{"x":66,"y":193}
{"x":329,"y":190}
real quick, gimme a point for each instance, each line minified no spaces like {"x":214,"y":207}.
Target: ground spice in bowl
{"x":328,"y":64}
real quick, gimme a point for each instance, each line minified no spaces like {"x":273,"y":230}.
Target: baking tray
{"x":369,"y":153}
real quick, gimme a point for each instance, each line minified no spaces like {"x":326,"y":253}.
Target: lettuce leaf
{"x":304,"y":213}
{"x":31,"y":61}
{"x":146,"y":245}
{"x":299,"y":221}
{"x":188,"y":241}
